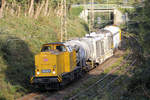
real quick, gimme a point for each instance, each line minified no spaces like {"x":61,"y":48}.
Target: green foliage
{"x":76,"y":11}
{"x":1,"y":96}
{"x":126,"y":10}
{"x":141,"y":25}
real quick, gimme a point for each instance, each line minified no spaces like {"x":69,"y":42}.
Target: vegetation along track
{"x":100,"y":83}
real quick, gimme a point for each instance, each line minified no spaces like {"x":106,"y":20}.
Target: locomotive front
{"x":50,"y":64}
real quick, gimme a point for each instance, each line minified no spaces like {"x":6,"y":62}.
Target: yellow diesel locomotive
{"x":55,"y":64}
{"x":62,"y":62}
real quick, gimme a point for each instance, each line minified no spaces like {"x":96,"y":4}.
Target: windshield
{"x":46,"y":48}
{"x":59,"y":48}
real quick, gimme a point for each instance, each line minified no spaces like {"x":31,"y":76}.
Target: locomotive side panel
{"x":70,"y":61}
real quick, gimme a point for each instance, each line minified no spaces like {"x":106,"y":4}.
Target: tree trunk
{"x":58,"y":10}
{"x":31,"y":8}
{"x":26,"y":10}
{"x":38,"y":10}
{"x":46,"y":8}
{"x":49,"y":12}
{"x":19,"y":11}
{"x":2,"y":8}
{"x":12,"y":8}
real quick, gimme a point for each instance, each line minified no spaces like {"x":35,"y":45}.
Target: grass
{"x":117,"y":63}
{"x":20,"y":39}
{"x":76,"y":11}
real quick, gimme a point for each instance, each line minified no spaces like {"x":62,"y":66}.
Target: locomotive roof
{"x":54,"y":43}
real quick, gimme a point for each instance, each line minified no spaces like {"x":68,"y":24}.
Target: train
{"x":60,"y":63}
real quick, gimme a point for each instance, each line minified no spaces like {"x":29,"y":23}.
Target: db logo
{"x":45,"y":59}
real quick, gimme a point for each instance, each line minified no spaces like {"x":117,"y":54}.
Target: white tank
{"x":79,"y":47}
{"x":96,"y":46}
{"x":116,"y":32}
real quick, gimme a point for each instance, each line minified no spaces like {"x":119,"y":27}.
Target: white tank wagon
{"x":85,"y":49}
{"x":116,"y":32}
{"x":103,"y":46}
{"x":97,"y":46}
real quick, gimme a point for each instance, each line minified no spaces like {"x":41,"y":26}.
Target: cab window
{"x":46,"y":48}
{"x":61,"y":48}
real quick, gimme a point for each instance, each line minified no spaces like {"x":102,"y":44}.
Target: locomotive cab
{"x":54,"y":60}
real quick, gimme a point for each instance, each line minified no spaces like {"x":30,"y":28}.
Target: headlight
{"x":54,"y":72}
{"x":38,"y":73}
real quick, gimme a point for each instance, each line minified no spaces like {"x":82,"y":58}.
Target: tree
{"x":2,"y":5}
{"x":141,"y":26}
{"x":31,"y":9}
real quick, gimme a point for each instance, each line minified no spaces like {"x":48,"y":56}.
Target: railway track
{"x":100,"y":83}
